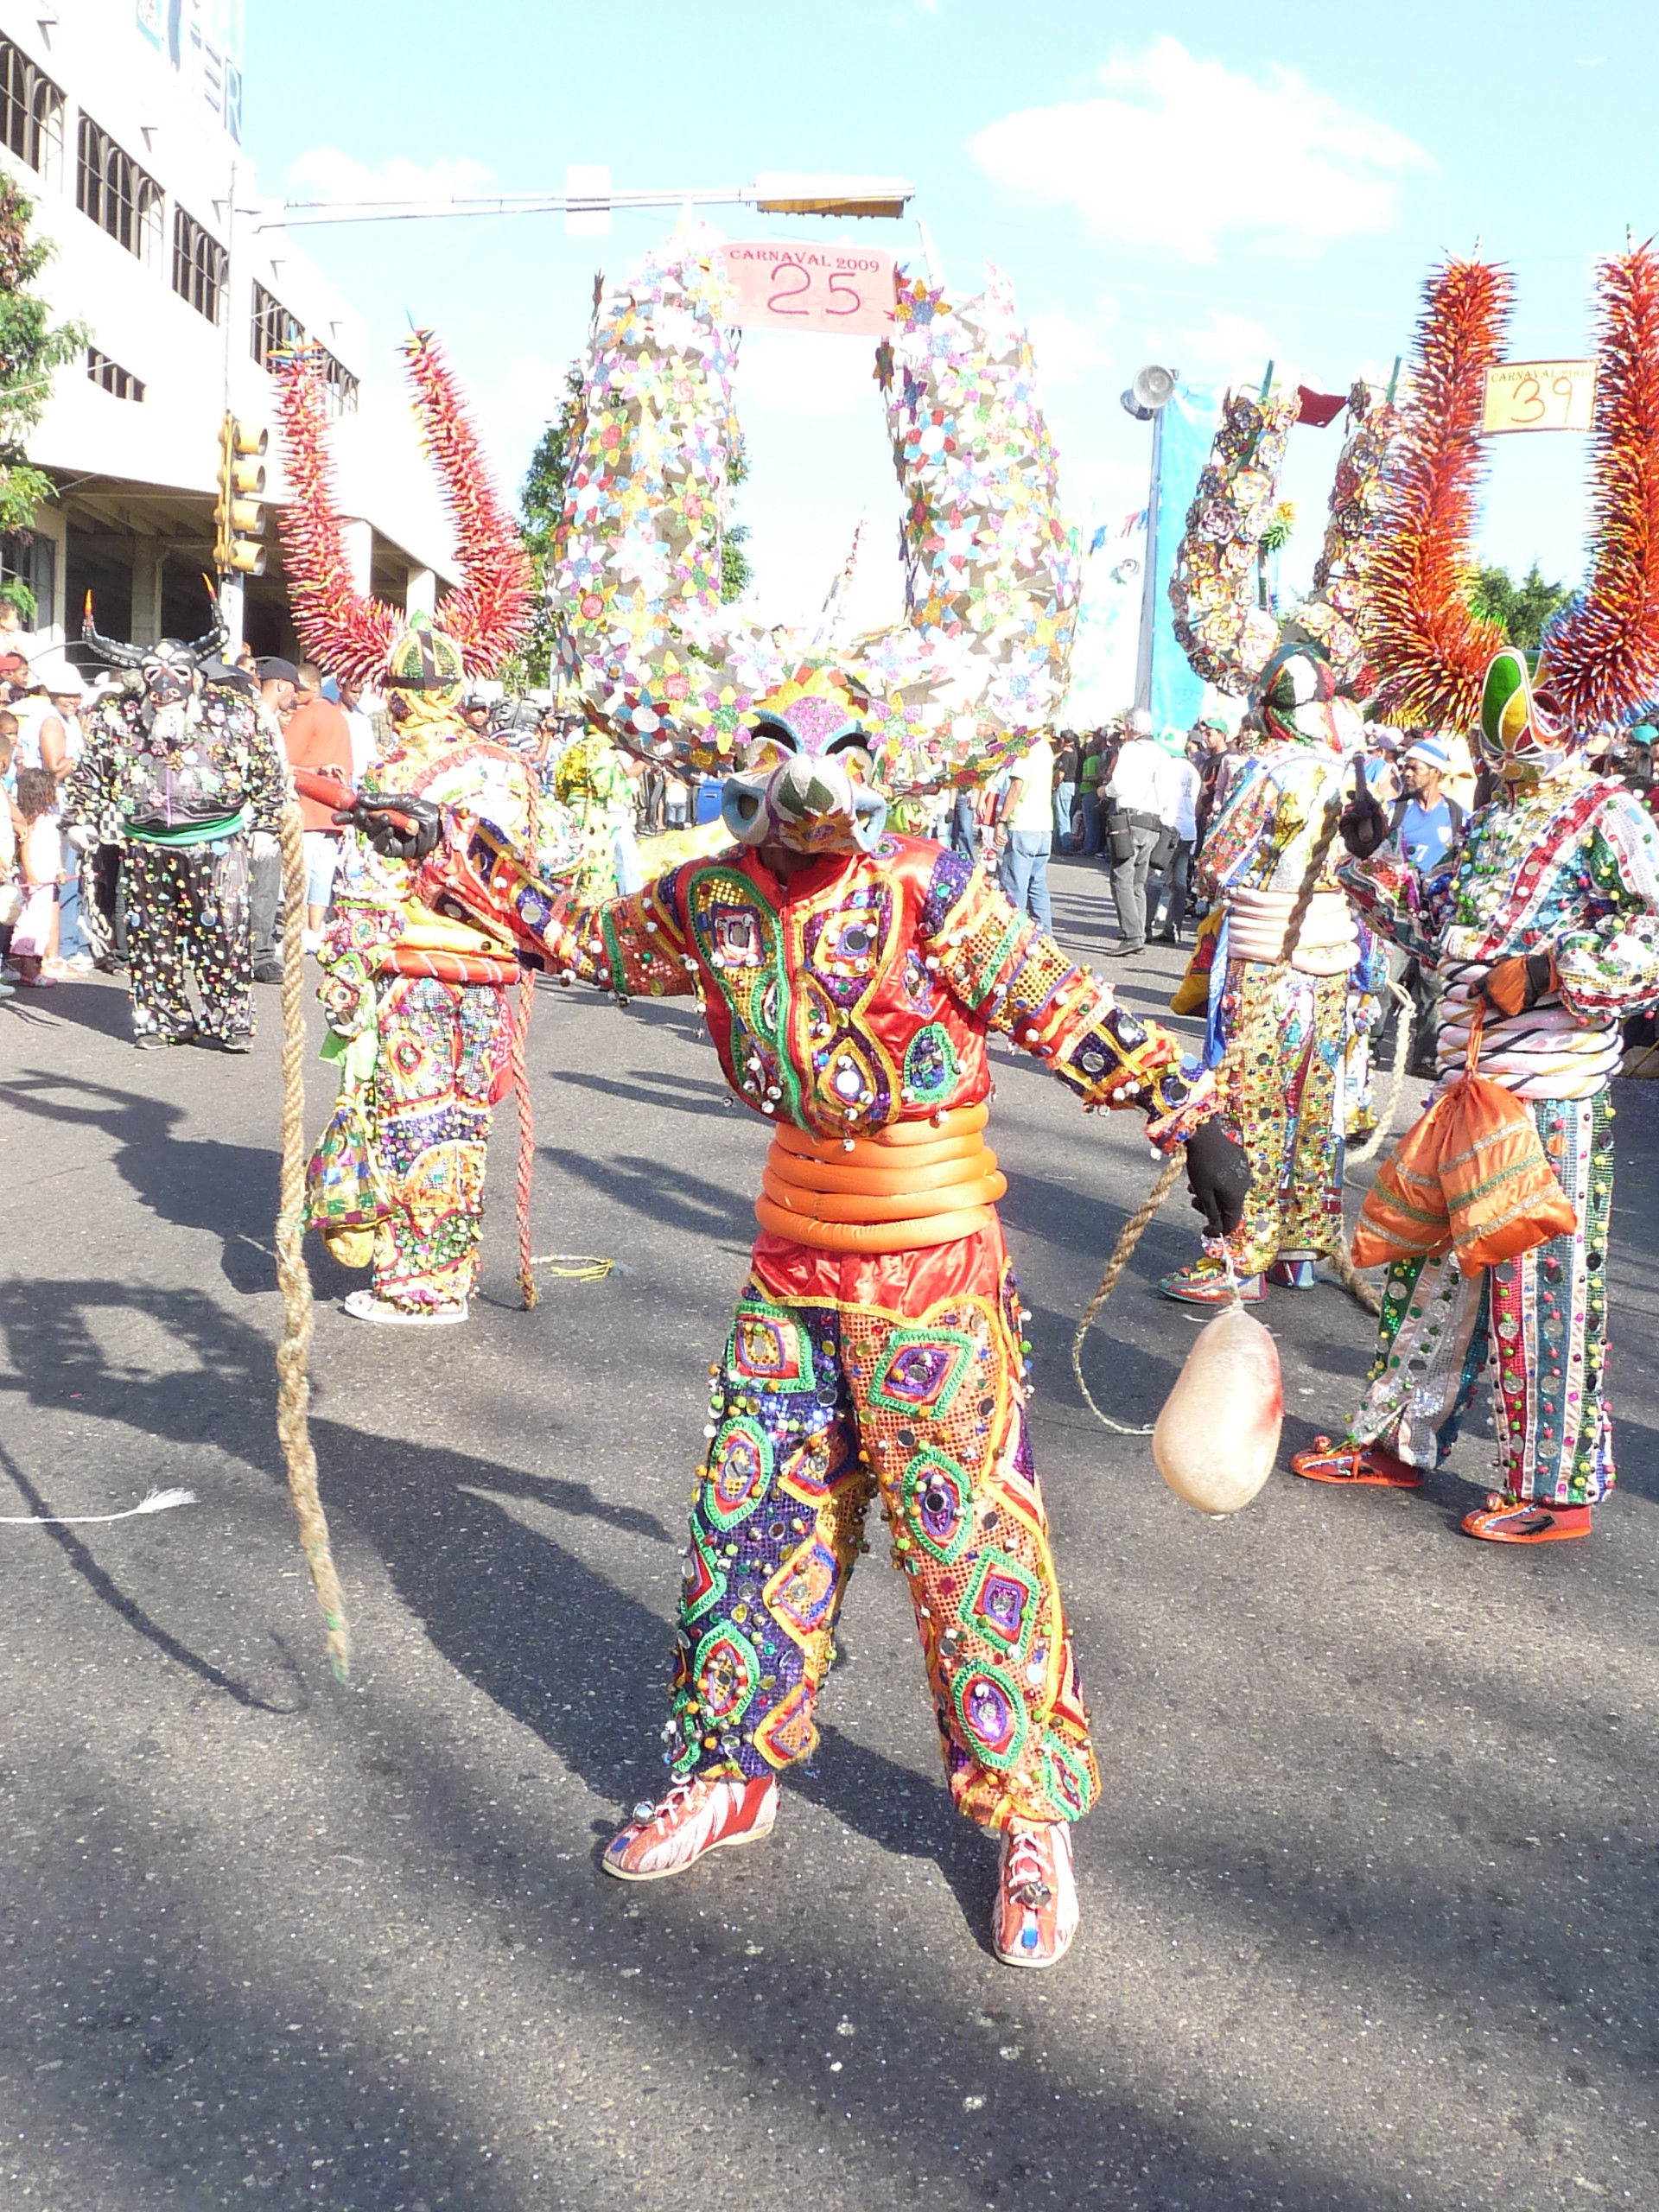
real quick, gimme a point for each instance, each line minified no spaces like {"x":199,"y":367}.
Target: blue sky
{"x":1206,"y":185}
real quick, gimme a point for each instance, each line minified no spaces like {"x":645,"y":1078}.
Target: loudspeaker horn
{"x":1154,"y":387}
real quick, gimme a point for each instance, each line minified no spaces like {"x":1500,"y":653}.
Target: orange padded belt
{"x":917,"y":1184}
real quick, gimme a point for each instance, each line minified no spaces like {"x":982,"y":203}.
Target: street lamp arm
{"x":790,"y":195}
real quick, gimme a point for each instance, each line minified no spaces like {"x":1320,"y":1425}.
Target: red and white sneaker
{"x":1504,"y":1520}
{"x":697,"y":1816}
{"x":1354,"y":1466}
{"x":1036,"y":1910}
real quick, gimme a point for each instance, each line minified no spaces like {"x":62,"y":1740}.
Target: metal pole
{"x":232,"y":590}
{"x":1149,"y":581}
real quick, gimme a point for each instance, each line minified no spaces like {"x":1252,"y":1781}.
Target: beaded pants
{"x":1544,"y":1314}
{"x":442,"y":1065}
{"x":846,"y":1378}
{"x":187,"y":921}
{"x":1283,"y":1086}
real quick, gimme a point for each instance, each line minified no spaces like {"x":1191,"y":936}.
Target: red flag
{"x":1319,"y":409}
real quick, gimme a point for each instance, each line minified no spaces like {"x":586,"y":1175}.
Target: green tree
{"x":1525,"y":609}
{"x":541,"y":504}
{"x":735,"y":573}
{"x":31,"y":347}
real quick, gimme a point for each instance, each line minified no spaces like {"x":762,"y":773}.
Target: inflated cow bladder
{"x":1217,"y":1436}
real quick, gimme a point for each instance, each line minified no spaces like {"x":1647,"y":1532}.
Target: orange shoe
{"x":1355,"y":1465}
{"x":1036,"y":1910}
{"x":697,"y":1816}
{"x":1522,"y":1521}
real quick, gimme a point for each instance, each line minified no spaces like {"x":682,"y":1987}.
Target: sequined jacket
{"x":1569,"y":866}
{"x":857,"y":993}
{"x":1262,"y":838}
{"x":210,"y":758}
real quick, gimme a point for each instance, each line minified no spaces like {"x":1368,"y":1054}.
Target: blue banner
{"x":1189,"y":425}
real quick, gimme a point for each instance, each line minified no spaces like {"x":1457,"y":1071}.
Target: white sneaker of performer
{"x":1037,"y":1909}
{"x":363,"y":1306}
{"x":697,"y":1816}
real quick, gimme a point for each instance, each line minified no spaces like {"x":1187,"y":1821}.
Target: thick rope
{"x":1359,"y":1155}
{"x":1122,"y":1252}
{"x":528,"y":1289}
{"x":293,"y":1353}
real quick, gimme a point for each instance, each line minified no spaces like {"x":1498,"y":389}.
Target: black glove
{"x":1218,"y":1176}
{"x":399,"y":827}
{"x":1517,"y":985}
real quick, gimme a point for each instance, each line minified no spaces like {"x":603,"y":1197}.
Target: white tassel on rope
{"x":154,"y":1501}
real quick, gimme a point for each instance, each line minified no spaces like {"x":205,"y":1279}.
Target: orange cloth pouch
{"x":1500,"y":1191}
{"x":1471,"y":1176}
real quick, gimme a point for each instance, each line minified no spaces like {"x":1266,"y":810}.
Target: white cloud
{"x":802,"y":372}
{"x":325,"y":172}
{"x":1063,"y":348}
{"x":1183,"y":154}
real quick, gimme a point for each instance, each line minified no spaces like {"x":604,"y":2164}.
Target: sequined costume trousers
{"x":442,"y":1063}
{"x":187,"y":922}
{"x":846,"y":1379}
{"x":1283,"y":1087}
{"x":1543,"y":1316}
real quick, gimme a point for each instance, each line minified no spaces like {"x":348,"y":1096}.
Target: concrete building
{"x":121,"y":119}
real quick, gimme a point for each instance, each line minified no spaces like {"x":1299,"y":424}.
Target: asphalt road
{"x":1370,"y":1901}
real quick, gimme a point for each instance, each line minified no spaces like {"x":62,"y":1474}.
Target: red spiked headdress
{"x":351,"y":635}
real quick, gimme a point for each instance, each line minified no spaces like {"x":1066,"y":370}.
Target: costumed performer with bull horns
{"x":1542,"y":922}
{"x":850,"y":979}
{"x":184,"y":774}
{"x":420,"y":1010}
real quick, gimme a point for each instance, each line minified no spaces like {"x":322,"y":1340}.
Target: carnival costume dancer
{"x":183,"y":774}
{"x":850,"y":979}
{"x":590,"y":782}
{"x":420,"y":1010}
{"x":1284,"y":1013}
{"x":1542,"y":921}
{"x":1279,"y":1008}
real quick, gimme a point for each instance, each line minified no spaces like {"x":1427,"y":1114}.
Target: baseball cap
{"x":273,"y":670}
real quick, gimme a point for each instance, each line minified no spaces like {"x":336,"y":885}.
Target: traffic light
{"x":239,"y":513}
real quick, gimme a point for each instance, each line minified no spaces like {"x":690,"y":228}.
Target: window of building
{"x":202,"y":267}
{"x":339,"y":383}
{"x":115,"y":192}
{"x":31,"y":112}
{"x":109,"y":376}
{"x":276,"y":331}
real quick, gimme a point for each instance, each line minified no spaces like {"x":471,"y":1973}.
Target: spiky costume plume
{"x":1603,"y":653}
{"x":351,"y":635}
{"x":1429,"y":648}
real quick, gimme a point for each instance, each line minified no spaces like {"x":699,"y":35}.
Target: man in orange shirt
{"x":317,"y":736}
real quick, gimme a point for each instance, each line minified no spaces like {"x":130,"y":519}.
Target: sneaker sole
{"x":663,"y":1873}
{"x":407,"y":1321}
{"x":1357,"y":1482}
{"x":1551,"y":1536}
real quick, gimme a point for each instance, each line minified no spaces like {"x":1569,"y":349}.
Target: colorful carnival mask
{"x":803,"y":782}
{"x":424,"y":663}
{"x":1298,"y":702}
{"x":947,"y":697}
{"x":427,"y":665}
{"x":1523,"y":731}
{"x":169,"y":671}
